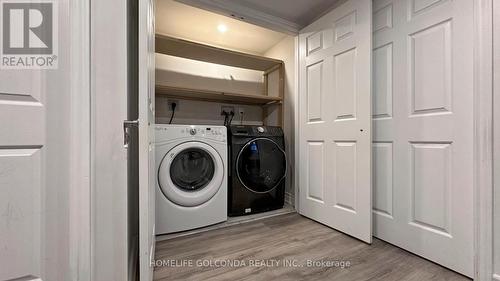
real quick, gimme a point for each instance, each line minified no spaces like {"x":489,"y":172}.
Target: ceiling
{"x":300,"y":12}
{"x":288,"y":16}
{"x":190,"y":23}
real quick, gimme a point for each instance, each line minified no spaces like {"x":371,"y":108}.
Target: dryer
{"x":191,"y":164}
{"x":258,"y":169}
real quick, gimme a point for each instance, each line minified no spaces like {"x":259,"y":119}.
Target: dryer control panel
{"x":256,"y":131}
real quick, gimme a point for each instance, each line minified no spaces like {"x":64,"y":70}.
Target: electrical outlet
{"x":227,"y":109}
{"x":170,"y":102}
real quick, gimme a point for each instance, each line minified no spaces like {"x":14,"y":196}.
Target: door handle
{"x":127,"y":124}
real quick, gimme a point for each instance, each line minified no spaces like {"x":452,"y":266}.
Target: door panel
{"x":314,"y":92}
{"x":430,"y":186}
{"x":430,"y":69}
{"x":382,"y":81}
{"x":315,"y":175}
{"x":22,"y":156}
{"x":382,"y":178}
{"x":423,"y":128}
{"x":22,"y":204}
{"x":335,"y":114}
{"x":344,"y":174}
{"x":344,"y":79}
{"x":35,"y":164}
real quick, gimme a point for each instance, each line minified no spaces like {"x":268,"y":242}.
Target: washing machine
{"x":191,"y":164}
{"x":258,"y":169}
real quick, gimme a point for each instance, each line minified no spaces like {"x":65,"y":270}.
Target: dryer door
{"x":191,"y":173}
{"x":261,"y":165}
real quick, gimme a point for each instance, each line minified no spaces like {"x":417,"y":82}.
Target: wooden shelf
{"x":271,"y":95}
{"x":215,"y":96}
{"x":196,"y":51}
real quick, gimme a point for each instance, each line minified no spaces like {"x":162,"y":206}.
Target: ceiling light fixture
{"x":222,"y":28}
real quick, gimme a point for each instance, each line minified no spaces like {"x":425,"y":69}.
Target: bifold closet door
{"x":423,"y":128}
{"x":335,"y":119}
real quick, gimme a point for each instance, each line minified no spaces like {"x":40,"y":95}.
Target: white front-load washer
{"x":191,"y":164}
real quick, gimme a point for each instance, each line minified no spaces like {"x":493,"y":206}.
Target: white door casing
{"x":147,"y":180}
{"x":109,"y":102}
{"x":109,"y":81}
{"x":335,"y":119}
{"x":423,"y":128}
{"x":495,"y":201}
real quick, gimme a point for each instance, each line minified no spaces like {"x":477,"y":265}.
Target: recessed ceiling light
{"x":222,"y":28}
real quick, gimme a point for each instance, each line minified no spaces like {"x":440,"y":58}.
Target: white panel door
{"x":34,"y":147}
{"x":147,"y":179}
{"x":423,"y":128}
{"x":335,"y":119}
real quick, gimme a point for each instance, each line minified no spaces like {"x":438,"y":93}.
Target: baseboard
{"x":26,"y":278}
{"x":232,"y":221}
{"x":289,"y":198}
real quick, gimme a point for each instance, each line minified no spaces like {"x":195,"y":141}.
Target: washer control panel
{"x":218,"y":133}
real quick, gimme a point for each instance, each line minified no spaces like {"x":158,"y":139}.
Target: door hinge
{"x":127,"y":124}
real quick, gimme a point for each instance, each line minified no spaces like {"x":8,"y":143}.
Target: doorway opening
{"x":403,"y":91}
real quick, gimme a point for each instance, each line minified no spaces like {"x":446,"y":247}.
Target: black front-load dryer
{"x":257,"y":171}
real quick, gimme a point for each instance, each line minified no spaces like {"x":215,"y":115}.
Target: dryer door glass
{"x":261,"y":165}
{"x":192,"y":169}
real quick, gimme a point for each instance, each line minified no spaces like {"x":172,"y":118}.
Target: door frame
{"x":80,"y":203}
{"x":483,"y":139}
{"x":84,"y":116}
{"x":496,"y":140}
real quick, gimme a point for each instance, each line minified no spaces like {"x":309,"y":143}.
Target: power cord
{"x":174,"y":105}
{"x":231,"y":119}
{"x":225,"y":117}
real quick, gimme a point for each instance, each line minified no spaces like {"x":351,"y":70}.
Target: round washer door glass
{"x":261,"y":165}
{"x":192,"y":169}
{"x":191,"y":173}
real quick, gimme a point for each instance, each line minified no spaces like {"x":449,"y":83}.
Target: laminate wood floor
{"x":288,"y":247}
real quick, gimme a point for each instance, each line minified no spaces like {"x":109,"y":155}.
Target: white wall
{"x":186,"y":73}
{"x":285,"y":51}
{"x":192,"y":112}
{"x":201,"y":68}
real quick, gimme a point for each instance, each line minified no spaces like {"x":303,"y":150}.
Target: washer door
{"x":261,"y":165}
{"x":191,"y":173}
